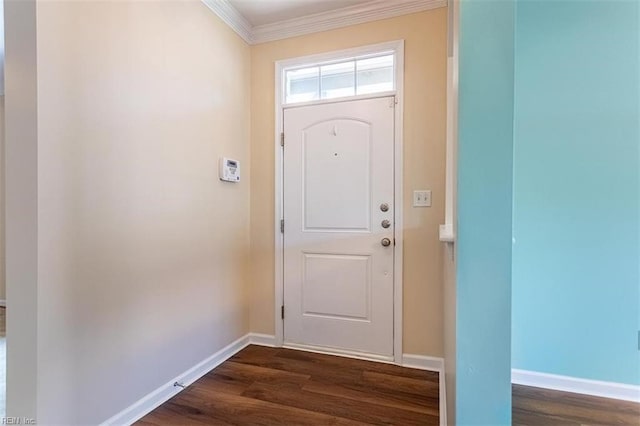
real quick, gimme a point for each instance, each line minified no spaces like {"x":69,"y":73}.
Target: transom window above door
{"x":363,"y":75}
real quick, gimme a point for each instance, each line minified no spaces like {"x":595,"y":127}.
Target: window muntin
{"x":349,"y":77}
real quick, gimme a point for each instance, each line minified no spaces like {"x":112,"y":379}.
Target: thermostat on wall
{"x":229,"y":170}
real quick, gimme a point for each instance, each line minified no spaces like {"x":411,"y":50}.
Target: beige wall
{"x":2,"y":260}
{"x":21,"y":207}
{"x":424,"y":154}
{"x":141,"y":250}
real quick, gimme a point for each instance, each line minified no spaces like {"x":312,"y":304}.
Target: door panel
{"x":336,"y":286}
{"x":348,"y":158}
{"x":338,"y":277}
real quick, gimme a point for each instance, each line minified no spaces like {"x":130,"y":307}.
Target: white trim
{"x":358,"y":14}
{"x":232,"y":18}
{"x":344,"y":17}
{"x":446,"y":233}
{"x":279,"y":205}
{"x":398,"y":202}
{"x":343,"y":99}
{"x":442,"y":397}
{"x":448,"y":230}
{"x":602,"y":389}
{"x":422,"y":362}
{"x":339,"y":352}
{"x":262,"y":339}
{"x":337,"y":56}
{"x":398,"y":48}
{"x":153,"y":400}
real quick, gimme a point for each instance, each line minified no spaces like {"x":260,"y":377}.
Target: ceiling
{"x":261,"y":12}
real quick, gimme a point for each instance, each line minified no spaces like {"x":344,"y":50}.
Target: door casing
{"x":397,"y":47}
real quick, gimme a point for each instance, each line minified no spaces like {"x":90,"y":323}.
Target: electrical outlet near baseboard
{"x":422,"y":198}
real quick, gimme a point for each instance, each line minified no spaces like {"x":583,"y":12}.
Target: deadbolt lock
{"x":384,"y":207}
{"x":385,"y":223}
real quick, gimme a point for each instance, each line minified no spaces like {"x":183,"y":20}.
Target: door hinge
{"x":282,"y":139}
{"x":282,"y":311}
{"x":282,"y":226}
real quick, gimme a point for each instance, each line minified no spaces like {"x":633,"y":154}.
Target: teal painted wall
{"x":485,"y":141}
{"x":576,"y":215}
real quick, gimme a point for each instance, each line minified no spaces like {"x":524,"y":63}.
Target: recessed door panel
{"x":337,"y":175}
{"x":336,"y":286}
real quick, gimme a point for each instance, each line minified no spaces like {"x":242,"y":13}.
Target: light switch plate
{"x":422,"y":198}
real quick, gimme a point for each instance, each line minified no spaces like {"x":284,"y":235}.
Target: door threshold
{"x":340,"y":352}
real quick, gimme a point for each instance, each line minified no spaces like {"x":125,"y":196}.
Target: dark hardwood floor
{"x":271,"y":386}
{"x":535,"y":406}
{"x":267,"y":386}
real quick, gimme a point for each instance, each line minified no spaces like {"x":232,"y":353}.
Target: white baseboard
{"x":576,"y":385}
{"x":422,"y":362}
{"x":430,"y":363}
{"x":442,"y":398}
{"x":153,"y":400}
{"x":262,"y":339}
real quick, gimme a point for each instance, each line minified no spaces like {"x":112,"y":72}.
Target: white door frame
{"x":398,"y":48}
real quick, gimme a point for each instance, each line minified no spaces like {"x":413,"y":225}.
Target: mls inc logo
{"x":17,"y":421}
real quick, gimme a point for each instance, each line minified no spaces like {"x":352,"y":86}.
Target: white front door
{"x":339,"y":225}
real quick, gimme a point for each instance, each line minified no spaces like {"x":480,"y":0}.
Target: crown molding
{"x":352,"y":15}
{"x":231,"y":17}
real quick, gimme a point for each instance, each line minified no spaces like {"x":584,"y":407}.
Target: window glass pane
{"x":349,"y":78}
{"x":303,"y":85}
{"x":375,"y":75}
{"x":337,"y":80}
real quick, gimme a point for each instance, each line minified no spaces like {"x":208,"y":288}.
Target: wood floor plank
{"x":395,"y":383}
{"x":383,"y":392}
{"x":228,"y":409}
{"x":543,"y":406}
{"x":250,"y":373}
{"x":528,"y":418}
{"x":372,"y":398}
{"x":357,"y":364}
{"x":340,"y":407}
{"x":177,"y":412}
{"x":314,"y":370}
{"x":213,"y":383}
{"x":560,"y":410}
{"x":255,"y":353}
{"x":576,"y":400}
